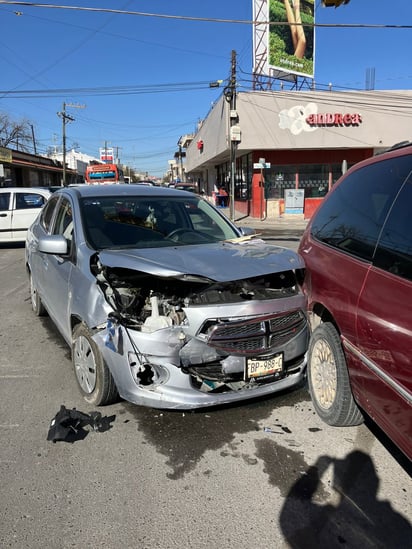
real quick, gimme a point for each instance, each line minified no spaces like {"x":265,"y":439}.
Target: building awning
{"x":37,"y":165}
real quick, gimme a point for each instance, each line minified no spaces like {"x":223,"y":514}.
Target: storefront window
{"x":277,"y":179}
{"x":33,"y":178}
{"x":243,"y":177}
{"x":244,"y":171}
{"x":314,"y":178}
{"x":47,"y":180}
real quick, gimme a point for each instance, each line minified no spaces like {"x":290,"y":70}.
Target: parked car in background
{"x":191,"y":187}
{"x":19,"y":206}
{"x":144,"y":182}
{"x":358,"y":254}
{"x":163,"y":300}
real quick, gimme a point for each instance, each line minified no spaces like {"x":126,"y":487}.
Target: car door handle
{"x":3,"y":215}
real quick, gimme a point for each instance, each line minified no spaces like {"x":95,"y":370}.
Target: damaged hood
{"x":221,"y":261}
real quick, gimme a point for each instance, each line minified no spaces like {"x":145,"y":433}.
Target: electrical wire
{"x":203,"y":19}
{"x":108,"y":90}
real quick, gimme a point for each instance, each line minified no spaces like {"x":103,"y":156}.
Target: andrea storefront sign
{"x":334,"y":119}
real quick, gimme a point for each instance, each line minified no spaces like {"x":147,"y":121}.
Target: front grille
{"x":233,"y":330}
{"x":285,"y":321}
{"x":254,"y":336}
{"x":213,"y":372}
{"x":242,"y":346}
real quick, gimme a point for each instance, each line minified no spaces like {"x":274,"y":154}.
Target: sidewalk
{"x":285,"y":223}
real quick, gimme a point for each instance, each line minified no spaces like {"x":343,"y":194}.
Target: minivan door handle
{"x":3,"y":215}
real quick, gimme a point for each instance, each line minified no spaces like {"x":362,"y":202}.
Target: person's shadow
{"x":358,"y":519}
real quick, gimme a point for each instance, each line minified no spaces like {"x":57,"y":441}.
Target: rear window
{"x":352,"y":216}
{"x":26,"y":200}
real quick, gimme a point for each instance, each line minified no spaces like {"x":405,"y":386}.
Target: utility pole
{"x":117,"y":159}
{"x":234,"y":132}
{"x":66,"y":118}
{"x":181,"y":154}
{"x":34,"y":140}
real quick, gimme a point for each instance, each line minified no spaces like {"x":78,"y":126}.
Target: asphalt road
{"x":265,"y":474}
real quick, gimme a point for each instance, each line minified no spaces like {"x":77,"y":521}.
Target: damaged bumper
{"x":214,"y":357}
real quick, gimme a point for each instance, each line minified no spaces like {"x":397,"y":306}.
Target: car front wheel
{"x":328,"y":378}
{"x":92,"y":374}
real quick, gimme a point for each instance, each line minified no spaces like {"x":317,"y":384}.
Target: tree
{"x":15,"y":134}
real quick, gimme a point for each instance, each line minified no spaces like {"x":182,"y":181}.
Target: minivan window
{"x":394,"y":251}
{"x":352,"y":215}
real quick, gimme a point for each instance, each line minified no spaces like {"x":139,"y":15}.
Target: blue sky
{"x":164,"y":66}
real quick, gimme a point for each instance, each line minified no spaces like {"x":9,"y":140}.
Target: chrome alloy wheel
{"x":84,"y":364}
{"x":323,"y":374}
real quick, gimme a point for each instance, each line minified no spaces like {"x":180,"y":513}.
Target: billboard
{"x":290,"y":38}
{"x":106,"y":156}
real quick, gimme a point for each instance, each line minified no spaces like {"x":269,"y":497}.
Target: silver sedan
{"x":164,"y":301}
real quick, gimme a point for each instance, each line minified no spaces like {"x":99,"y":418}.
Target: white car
{"x":19,"y":207}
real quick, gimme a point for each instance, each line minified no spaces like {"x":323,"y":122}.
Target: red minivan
{"x":358,"y":253}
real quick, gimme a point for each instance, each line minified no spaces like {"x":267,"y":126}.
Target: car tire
{"x":36,"y":303}
{"x":92,"y":374}
{"x":328,"y":379}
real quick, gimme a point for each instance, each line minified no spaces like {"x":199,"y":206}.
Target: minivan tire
{"x":92,"y":374}
{"x":328,"y":379}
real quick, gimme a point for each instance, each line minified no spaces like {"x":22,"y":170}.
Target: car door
{"x":37,"y":260}
{"x":57,"y":269}
{"x":384,"y":325}
{"x":26,"y":207}
{"x":5,"y":217}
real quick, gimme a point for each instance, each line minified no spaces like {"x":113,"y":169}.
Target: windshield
{"x":152,"y":222}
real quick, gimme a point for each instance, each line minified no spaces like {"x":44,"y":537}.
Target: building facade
{"x":77,"y":162}
{"x":21,"y":169}
{"x":288,"y":148}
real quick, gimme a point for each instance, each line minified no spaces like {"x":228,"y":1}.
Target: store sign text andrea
{"x":334,"y":119}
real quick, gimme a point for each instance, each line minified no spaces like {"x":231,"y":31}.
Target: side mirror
{"x":54,"y":244}
{"x":247,"y":231}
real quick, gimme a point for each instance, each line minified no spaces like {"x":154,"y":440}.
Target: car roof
{"x":397,"y":146}
{"x":400,"y":149}
{"x":124,"y":190}
{"x":41,"y":190}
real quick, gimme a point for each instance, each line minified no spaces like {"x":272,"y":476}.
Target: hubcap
{"x":84,"y":364}
{"x":323,"y":374}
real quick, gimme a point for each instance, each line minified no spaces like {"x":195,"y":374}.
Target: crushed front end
{"x":185,"y":341}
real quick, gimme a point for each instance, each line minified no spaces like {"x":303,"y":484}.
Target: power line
{"x":204,"y":19}
{"x":108,"y":90}
{"x":247,"y":81}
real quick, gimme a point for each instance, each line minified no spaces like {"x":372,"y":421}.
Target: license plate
{"x":259,"y":368}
